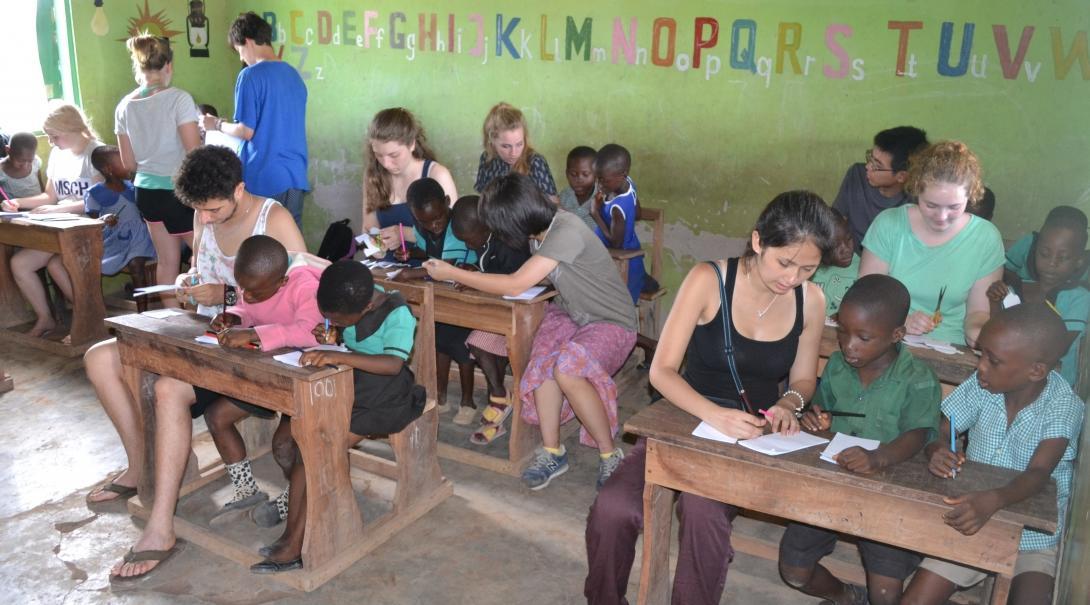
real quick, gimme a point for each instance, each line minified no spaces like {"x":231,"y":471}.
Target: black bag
{"x":339,"y":242}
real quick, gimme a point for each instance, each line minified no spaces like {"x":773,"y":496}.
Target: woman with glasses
{"x":879,"y":182}
{"x":945,"y":256}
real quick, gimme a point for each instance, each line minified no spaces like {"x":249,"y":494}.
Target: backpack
{"x":338,"y":243}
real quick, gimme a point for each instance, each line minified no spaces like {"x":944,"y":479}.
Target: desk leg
{"x":524,"y":438}
{"x":81,"y":253}
{"x":13,"y":309}
{"x":655,"y":570}
{"x":1000,"y":589}
{"x":320,"y":428}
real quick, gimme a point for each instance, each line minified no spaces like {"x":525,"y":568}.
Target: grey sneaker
{"x":544,"y":469}
{"x":606,"y":466}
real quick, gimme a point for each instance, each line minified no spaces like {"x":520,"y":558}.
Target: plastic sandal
{"x":487,"y":434}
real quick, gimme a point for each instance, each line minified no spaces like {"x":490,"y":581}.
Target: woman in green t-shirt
{"x":945,"y":256}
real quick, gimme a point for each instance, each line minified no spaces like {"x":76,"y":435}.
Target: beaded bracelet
{"x":802,"y":400}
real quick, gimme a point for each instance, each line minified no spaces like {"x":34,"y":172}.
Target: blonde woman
{"x":507,"y":149}
{"x":156,"y":125}
{"x":945,"y":256}
{"x":396,"y":155}
{"x":69,"y":175}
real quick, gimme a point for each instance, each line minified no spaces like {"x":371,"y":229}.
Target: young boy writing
{"x":615,"y":209}
{"x":1054,"y":273}
{"x":1020,"y":415}
{"x":488,"y":348}
{"x":277,"y":308}
{"x":435,"y":238}
{"x":21,"y":170}
{"x":870,"y":187}
{"x":378,"y":328}
{"x":125,"y":236}
{"x":886,"y":394}
{"x":578,"y":198}
{"x":837,"y":273}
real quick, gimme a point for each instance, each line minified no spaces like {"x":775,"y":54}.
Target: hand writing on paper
{"x":816,"y":419}
{"x":325,"y":336}
{"x":235,"y":338}
{"x":944,"y":462}
{"x":223,"y":321}
{"x":320,"y":358}
{"x":736,"y":423}
{"x":783,"y":419}
{"x":971,"y":510}
{"x":439,"y":270}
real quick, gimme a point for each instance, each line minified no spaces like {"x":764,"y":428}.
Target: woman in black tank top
{"x":775,"y":323}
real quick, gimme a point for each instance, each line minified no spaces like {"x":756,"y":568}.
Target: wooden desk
{"x":518,"y":321}
{"x":79,"y":243}
{"x":319,"y":402}
{"x":951,"y":370}
{"x":901,"y":506}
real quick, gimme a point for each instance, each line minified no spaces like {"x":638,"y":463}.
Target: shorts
{"x":160,"y":206}
{"x":804,"y":545}
{"x":451,"y":340}
{"x":383,"y":405}
{"x":206,"y":398}
{"x":1040,"y":561}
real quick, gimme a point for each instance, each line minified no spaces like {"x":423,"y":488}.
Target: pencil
{"x":846,"y":414}
{"x":953,"y":441}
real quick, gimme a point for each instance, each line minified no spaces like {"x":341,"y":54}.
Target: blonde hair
{"x":149,"y":53}
{"x":67,"y":118}
{"x":399,"y":125}
{"x":500,"y":119}
{"x":946,"y":162}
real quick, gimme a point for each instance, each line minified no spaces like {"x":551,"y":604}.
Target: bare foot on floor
{"x":42,"y":328}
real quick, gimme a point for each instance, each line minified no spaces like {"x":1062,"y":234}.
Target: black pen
{"x":845,"y":414}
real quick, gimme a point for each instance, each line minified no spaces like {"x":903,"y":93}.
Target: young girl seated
{"x":586,"y":335}
{"x":1054,"y":270}
{"x":125,"y":236}
{"x":615,"y":209}
{"x":488,"y":348}
{"x":20,"y":169}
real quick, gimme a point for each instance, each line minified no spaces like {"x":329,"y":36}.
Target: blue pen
{"x":327,"y":324}
{"x":953,"y":442}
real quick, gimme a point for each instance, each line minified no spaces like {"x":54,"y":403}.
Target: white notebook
{"x":842,"y":442}
{"x":707,"y":431}
{"x":775,"y":444}
{"x":529,"y":294}
{"x":292,"y":358}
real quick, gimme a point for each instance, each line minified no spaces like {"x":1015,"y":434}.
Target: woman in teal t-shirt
{"x":934,"y":246}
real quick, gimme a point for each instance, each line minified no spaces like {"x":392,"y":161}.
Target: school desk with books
{"x":901,"y":505}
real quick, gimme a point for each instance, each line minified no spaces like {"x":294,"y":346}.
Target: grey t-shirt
{"x":25,"y":187}
{"x":859,"y":202}
{"x":588,"y":283}
{"x":151,"y":123}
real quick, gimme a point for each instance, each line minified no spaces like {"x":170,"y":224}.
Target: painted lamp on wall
{"x":196,"y":27}
{"x":99,"y":25}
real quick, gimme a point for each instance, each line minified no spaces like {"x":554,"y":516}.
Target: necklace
{"x":760,"y":314}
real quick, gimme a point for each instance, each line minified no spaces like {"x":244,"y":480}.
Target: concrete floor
{"x":494,"y":541}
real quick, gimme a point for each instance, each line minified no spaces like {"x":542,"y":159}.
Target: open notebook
{"x":775,"y":444}
{"x":842,"y":442}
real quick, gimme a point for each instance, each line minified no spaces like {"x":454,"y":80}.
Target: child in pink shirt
{"x":276,"y":306}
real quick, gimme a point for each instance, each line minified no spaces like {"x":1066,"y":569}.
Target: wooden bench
{"x":650,"y":305}
{"x":319,"y":400}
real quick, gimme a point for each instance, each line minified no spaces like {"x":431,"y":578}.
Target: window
{"x":37,"y":33}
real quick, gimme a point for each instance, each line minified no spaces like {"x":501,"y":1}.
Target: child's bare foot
{"x":42,"y":328}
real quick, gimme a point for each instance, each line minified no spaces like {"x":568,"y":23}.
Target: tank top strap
{"x":263,"y":216}
{"x":427,"y":169}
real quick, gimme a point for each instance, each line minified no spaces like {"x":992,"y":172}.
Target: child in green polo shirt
{"x":839,"y":269}
{"x":378,"y":328}
{"x":891,"y":397}
{"x":1020,"y":414}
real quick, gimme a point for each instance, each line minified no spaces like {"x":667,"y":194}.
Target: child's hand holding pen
{"x":222,"y":322}
{"x":816,"y":419}
{"x":239,"y":338}
{"x":320,"y":358}
{"x":325,"y":334}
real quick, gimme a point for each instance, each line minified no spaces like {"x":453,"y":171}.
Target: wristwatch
{"x":230,"y":295}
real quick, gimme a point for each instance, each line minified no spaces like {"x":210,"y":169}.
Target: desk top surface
{"x":951,"y":369}
{"x":82,"y":222}
{"x":447,"y":290}
{"x":181,"y":330}
{"x":910,"y":480}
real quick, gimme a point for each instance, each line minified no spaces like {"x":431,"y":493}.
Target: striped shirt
{"x":1057,"y":413}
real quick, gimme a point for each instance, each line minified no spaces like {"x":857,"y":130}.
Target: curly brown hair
{"x":946,"y":162}
{"x":394,"y":124}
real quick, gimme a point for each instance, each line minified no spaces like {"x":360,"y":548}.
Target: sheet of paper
{"x":292,"y":358}
{"x":842,"y":442}
{"x":529,"y":294}
{"x":370,"y":245}
{"x":707,"y":431}
{"x":829,"y":321}
{"x":163,"y":313}
{"x":47,"y":217}
{"x":915,"y":340}
{"x":208,"y":340}
{"x":153,"y":289}
{"x":775,"y":444}
{"x":215,"y":137}
{"x":1011,"y":299}
{"x":12,"y":214}
{"x":392,"y":274}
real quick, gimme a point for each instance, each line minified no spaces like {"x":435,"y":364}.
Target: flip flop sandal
{"x":123,"y":492}
{"x":487,"y":434}
{"x":160,"y":556}
{"x":465,"y":415}
{"x":493,"y":414}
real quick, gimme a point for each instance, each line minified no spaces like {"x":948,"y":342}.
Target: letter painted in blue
{"x":742,"y":58}
{"x":945,"y":39}
{"x":503,"y":36}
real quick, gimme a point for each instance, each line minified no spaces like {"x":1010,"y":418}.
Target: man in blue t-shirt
{"x":270,"y":117}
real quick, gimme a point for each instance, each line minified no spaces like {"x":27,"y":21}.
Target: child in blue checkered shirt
{"x":1020,"y":414}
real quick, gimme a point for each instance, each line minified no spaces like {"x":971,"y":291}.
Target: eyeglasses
{"x":872,"y":163}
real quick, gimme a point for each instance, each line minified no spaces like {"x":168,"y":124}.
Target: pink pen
{"x":5,"y":194}
{"x":767,"y":414}
{"x":401,"y":232}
